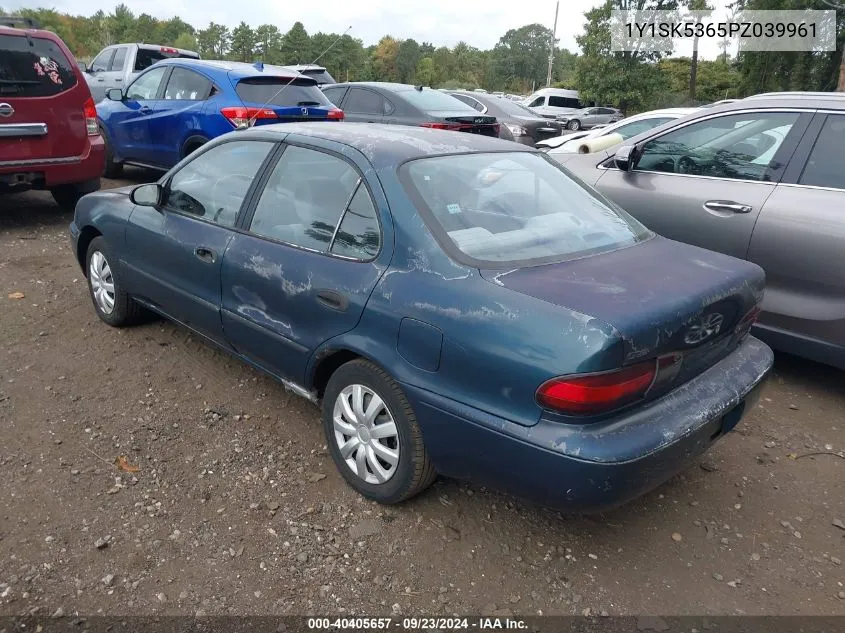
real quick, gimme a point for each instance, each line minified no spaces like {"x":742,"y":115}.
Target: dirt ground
{"x":237,"y":509}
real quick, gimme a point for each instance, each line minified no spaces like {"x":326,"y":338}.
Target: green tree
{"x":384,"y":59}
{"x":424,"y":75}
{"x":296,"y":46}
{"x":268,"y":41}
{"x":407,"y":58}
{"x":214,"y":41}
{"x":186,"y":41}
{"x":521,"y":56}
{"x":630,"y":80}
{"x":243,"y":43}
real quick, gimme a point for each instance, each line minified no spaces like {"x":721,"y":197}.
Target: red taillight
{"x":243,"y":117}
{"x":336,"y":114}
{"x":589,"y":395}
{"x":744,"y":326}
{"x":441,"y":126}
{"x":89,"y":111}
{"x":167,"y":49}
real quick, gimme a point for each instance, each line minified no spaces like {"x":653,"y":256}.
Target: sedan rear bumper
{"x":593,"y":467}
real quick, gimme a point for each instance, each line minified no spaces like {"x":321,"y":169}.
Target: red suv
{"x":48,"y":124}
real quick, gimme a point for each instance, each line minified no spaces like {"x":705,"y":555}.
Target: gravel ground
{"x":236,"y":507}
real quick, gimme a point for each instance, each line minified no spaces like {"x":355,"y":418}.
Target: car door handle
{"x":118,"y":80}
{"x":727,"y":205}
{"x":205,"y":254}
{"x":101,"y":79}
{"x":333,"y":300}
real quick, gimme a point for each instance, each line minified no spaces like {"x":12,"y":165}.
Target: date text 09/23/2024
{"x":417,"y":623}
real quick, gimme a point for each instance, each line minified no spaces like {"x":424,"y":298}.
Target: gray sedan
{"x":588,"y":118}
{"x":762,"y":179}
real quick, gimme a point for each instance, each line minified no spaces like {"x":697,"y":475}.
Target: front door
{"x":706,"y":182}
{"x":305,"y":270}
{"x":176,"y":250}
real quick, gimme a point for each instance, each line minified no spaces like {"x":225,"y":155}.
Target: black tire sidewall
{"x":119,"y":315}
{"x":397,"y":487}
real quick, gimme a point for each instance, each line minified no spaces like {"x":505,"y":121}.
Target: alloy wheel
{"x":102,"y":282}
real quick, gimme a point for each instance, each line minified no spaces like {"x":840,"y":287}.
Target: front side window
{"x":738,"y":146}
{"x":33,"y":67}
{"x":213,"y":185}
{"x":103,"y":60}
{"x":186,"y":85}
{"x":304,"y":198}
{"x":509,"y":207}
{"x":826,"y":167}
{"x":335,"y":95}
{"x":146,"y":86}
{"x":636,"y":127}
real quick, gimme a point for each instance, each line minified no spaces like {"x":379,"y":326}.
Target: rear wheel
{"x":111,"y":302}
{"x":192,"y":145}
{"x":373,"y":435}
{"x":112,"y":169}
{"x":66,"y":196}
{"x":574,"y":125}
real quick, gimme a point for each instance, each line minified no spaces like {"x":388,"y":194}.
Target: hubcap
{"x":366,"y":434}
{"x":102,"y":282}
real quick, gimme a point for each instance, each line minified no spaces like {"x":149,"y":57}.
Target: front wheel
{"x":574,"y":125}
{"x":373,"y":436}
{"x":111,"y":302}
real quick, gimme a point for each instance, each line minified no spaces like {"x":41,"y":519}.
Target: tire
{"x":192,"y":145}
{"x":124,"y":310}
{"x":574,"y":125}
{"x":66,"y":196}
{"x":112,"y":168}
{"x":412,"y":472}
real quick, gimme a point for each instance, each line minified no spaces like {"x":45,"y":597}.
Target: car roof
{"x":385,"y":85}
{"x":34,"y":32}
{"x":236,"y":70}
{"x":389,"y":145}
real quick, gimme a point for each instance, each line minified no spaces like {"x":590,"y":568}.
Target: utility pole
{"x":552,"y":48}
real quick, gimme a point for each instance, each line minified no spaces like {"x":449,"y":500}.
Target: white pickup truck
{"x":117,"y":65}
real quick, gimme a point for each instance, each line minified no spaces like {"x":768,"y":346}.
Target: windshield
{"x":273,"y":91}
{"x":33,"y":67}
{"x":514,"y":207}
{"x":432,"y":100}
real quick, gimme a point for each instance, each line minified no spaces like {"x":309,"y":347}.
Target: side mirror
{"x":114,"y":94}
{"x":625,"y":158}
{"x":147,"y":195}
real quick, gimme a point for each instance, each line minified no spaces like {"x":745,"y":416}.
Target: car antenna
{"x":292,"y":79}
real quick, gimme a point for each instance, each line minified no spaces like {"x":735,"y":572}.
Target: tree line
{"x":634,"y":81}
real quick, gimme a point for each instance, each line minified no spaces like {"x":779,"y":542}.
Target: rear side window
{"x":186,"y":85}
{"x":119,"y":59}
{"x":146,"y":57}
{"x":825,"y":167}
{"x":33,"y":67}
{"x":564,"y":102}
{"x":280,"y":91}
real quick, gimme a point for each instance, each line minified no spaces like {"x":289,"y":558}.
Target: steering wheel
{"x":217,"y":193}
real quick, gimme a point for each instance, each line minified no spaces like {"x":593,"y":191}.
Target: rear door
{"x":306,"y":268}
{"x":178,"y":114}
{"x":132,"y":124}
{"x":705,"y":182}
{"x":41,"y":100}
{"x":363,"y":105}
{"x":799,"y":240}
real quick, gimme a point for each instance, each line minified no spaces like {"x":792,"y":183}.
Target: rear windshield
{"x":148,"y":56}
{"x":429,"y":100}
{"x":514,"y":207}
{"x":274,"y":91}
{"x":33,"y":67}
{"x":512,"y":107}
{"x":321,"y":76}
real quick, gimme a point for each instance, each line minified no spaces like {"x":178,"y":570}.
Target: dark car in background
{"x":318,"y":73}
{"x":178,"y":105}
{"x":404,"y":104}
{"x":456,"y":304}
{"x":48,"y":123}
{"x":517,"y":122}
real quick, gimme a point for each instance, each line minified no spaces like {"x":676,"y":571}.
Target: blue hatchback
{"x":177,"y":105}
{"x":457,"y":304}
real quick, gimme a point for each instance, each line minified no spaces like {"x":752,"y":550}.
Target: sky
{"x":480,"y":23}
